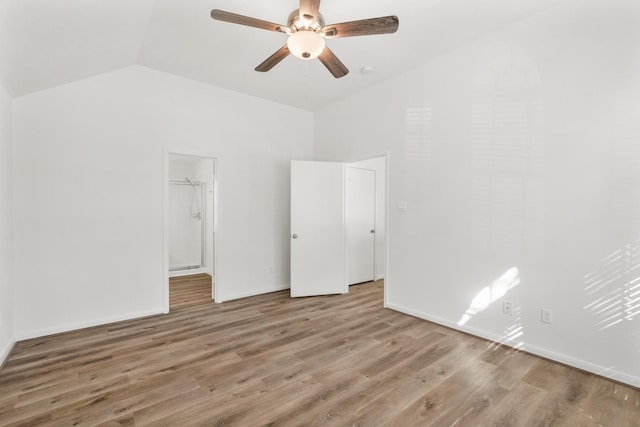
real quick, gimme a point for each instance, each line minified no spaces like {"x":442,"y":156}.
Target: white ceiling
{"x":45,"y":43}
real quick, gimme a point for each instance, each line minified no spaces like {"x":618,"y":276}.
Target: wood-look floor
{"x":338,"y":360}
{"x":186,"y":291}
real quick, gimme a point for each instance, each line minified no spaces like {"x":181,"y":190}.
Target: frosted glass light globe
{"x":306,"y":44}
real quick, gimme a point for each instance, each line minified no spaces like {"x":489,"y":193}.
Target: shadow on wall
{"x":507,"y":155}
{"x":418,"y":122}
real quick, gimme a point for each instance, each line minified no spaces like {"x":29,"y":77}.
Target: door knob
{"x":295,"y":236}
{"x":373,"y":231}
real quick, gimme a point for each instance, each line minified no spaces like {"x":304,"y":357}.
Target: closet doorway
{"x":338,"y":225}
{"x":366,"y":207}
{"x":190,"y":207}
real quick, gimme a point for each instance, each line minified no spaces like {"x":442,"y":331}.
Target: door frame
{"x":387,"y":276}
{"x":165,"y":220}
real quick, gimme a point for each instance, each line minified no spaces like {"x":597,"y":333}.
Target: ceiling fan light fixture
{"x":306,"y":44}
{"x":307,"y":33}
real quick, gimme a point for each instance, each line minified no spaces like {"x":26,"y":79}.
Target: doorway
{"x":190,"y":230}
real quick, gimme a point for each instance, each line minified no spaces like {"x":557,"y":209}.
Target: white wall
{"x":88,"y":162}
{"x":518,"y":158}
{"x":6,"y":226}
{"x":181,"y":167}
{"x":378,"y":165}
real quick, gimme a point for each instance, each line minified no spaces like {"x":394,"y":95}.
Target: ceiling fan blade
{"x":364,"y":27}
{"x":309,"y":9}
{"x":333,"y":64}
{"x":274,"y":59}
{"x":234,"y":18}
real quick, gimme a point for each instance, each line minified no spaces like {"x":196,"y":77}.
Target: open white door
{"x":317,"y":229}
{"x":361,"y":222}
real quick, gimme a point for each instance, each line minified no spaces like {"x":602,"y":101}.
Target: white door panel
{"x":360,"y":218}
{"x":317,"y":229}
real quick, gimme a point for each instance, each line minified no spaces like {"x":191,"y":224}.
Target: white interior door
{"x":317,"y":229}
{"x":361,"y":220}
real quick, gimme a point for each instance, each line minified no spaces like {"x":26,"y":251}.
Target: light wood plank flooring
{"x":186,"y":291}
{"x":337,"y":360}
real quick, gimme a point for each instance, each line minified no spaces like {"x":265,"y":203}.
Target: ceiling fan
{"x":307,"y":33}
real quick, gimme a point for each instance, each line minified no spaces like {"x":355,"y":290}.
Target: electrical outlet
{"x":547,"y":315}
{"x":507,"y":307}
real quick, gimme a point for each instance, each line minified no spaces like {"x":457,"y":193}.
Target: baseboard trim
{"x":253,"y":293}
{"x":193,"y":272}
{"x":4,"y":354}
{"x":602,"y":371}
{"x":38,"y":333}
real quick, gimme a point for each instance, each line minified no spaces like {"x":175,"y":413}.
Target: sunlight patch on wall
{"x":614,"y":287}
{"x":490,"y":294}
{"x":513,"y":332}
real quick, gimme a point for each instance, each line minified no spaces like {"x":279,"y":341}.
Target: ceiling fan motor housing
{"x":310,"y":24}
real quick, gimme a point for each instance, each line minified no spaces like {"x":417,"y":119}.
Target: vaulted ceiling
{"x":46,"y":43}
